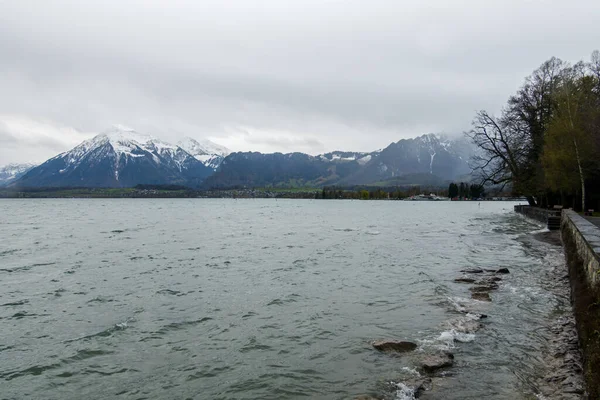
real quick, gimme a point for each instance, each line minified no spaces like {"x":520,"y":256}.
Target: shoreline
{"x":563,"y":364}
{"x":580,"y":241}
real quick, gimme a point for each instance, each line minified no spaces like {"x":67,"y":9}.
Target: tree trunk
{"x":531,"y":201}
{"x":581,"y":177}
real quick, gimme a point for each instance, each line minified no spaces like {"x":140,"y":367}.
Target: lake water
{"x":265,"y":299}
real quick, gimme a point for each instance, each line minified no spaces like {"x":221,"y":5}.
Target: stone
{"x":473,"y":271}
{"x":464,"y":325}
{"x":418,"y":386}
{"x":481,"y":296}
{"x":465,"y":280}
{"x":484,"y":288}
{"x":398,"y":346}
{"x":503,"y":271}
{"x":477,"y":316}
{"x":434,"y":362}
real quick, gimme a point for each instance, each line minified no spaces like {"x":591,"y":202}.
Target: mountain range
{"x":431,"y":160}
{"x":122,"y":157}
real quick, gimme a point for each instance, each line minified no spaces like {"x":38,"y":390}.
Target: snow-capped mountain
{"x":425,"y":160}
{"x":438,"y":155}
{"x":119,"y":157}
{"x":12,"y":172}
{"x":205,"y":151}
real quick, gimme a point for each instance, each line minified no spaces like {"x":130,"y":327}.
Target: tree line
{"x":370,"y":193}
{"x":544,"y":143}
{"x":466,"y":191}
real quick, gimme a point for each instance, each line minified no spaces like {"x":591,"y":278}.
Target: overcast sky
{"x":270,"y":75}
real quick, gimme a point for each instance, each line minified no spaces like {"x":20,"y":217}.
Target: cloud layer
{"x":270,"y":75}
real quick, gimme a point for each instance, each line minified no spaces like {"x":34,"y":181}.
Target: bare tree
{"x":504,"y":145}
{"x":512,"y":144}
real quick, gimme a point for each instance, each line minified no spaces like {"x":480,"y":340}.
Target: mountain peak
{"x":205,"y":151}
{"x":203,"y":147}
{"x":120,"y":133}
{"x":119,"y":157}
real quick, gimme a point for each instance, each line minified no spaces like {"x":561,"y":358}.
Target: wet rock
{"x":494,"y":279}
{"x":503,"y":271}
{"x":433,"y":363}
{"x":563,"y":378}
{"x":464,"y":325}
{"x":469,"y":327}
{"x":484,"y":288}
{"x":365,"y":397}
{"x":398,"y":346}
{"x":473,"y":271}
{"x":481,"y":296}
{"x":464,"y":279}
{"x":477,"y":316}
{"x":417,"y":386}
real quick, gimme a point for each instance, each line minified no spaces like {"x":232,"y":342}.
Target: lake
{"x":266,"y":299}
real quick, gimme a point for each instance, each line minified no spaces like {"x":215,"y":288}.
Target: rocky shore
{"x":563,"y":364}
{"x":560,"y":375}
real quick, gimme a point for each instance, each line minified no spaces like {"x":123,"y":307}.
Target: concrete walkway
{"x":594,"y":220}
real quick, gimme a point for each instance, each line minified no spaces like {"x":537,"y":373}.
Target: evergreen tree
{"x":453,"y":190}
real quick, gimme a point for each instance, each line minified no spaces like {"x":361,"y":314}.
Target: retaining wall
{"x":539,"y":214}
{"x":581,"y":240}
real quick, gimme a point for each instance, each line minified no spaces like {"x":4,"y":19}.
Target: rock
{"x":365,"y":397}
{"x":394,"y":346}
{"x":464,"y":325}
{"x":473,"y":271}
{"x":481,"y":296}
{"x":484,"y":288}
{"x":434,"y":362}
{"x":503,"y":271}
{"x":494,"y":279}
{"x":477,"y":316}
{"x":418,"y":386}
{"x":465,"y":280}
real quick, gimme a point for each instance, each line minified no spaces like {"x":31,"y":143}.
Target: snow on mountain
{"x":119,"y":157}
{"x":209,"y":153}
{"x":439,"y":156}
{"x":341,"y":156}
{"x":12,"y":172}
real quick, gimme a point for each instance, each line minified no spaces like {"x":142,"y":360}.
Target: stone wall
{"x":586,"y":237}
{"x":539,"y":214}
{"x":581,"y":240}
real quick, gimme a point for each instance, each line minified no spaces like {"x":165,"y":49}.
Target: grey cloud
{"x":320,"y":75}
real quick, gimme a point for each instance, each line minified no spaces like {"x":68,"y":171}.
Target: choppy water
{"x":263,"y":299}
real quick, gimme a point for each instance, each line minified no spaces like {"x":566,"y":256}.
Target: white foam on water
{"x":403,"y":392}
{"x":412,"y":371}
{"x":543,"y":230}
{"x":458,"y":303}
{"x":121,"y":325}
{"x":452,"y":335}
